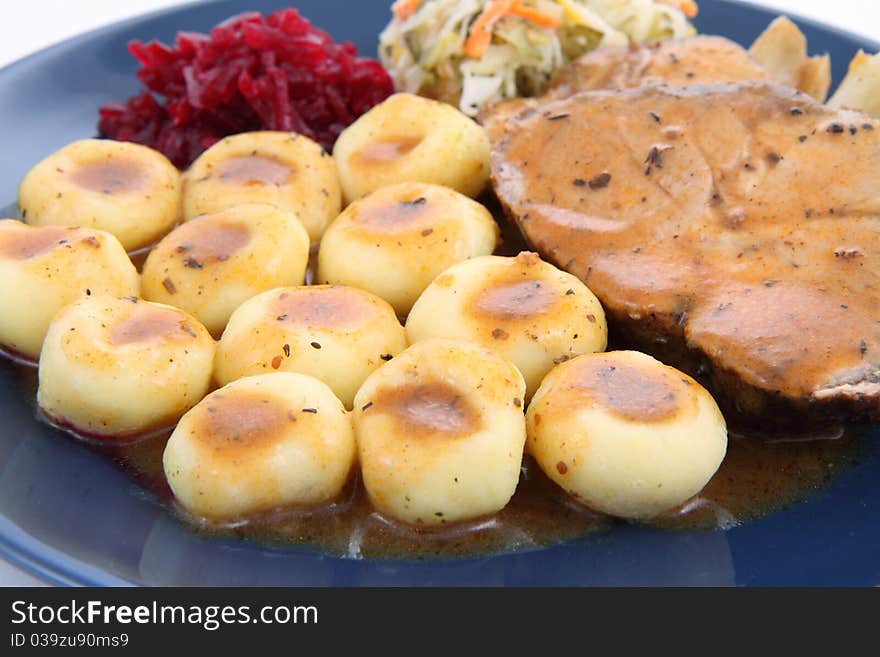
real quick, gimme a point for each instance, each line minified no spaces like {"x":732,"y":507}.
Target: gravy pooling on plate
{"x":757,"y":477}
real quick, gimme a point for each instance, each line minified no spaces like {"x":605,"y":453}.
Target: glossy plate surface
{"x":73,"y":517}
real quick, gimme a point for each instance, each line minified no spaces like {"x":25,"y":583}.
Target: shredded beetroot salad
{"x":251,"y":73}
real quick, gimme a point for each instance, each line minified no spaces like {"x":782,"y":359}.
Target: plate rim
{"x":870,"y":43}
{"x":48,"y":564}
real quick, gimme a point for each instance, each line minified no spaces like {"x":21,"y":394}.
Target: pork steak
{"x":732,"y":230}
{"x":701,"y":59}
{"x":676,"y":62}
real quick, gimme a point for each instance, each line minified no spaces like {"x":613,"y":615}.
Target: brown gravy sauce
{"x":612,"y":386}
{"x":249,"y":170}
{"x":427,"y":410}
{"x":514,"y":299}
{"x":394,"y":216}
{"x":25,"y":243}
{"x":215,"y":241}
{"x":148,"y":324}
{"x":385,"y":152}
{"x":322,"y":306}
{"x":229,"y":424}
{"x":758,"y":476}
{"x":111,"y":176}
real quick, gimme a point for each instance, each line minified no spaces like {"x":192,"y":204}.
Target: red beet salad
{"x":250,"y":73}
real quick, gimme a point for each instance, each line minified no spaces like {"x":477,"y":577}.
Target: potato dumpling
{"x":396,"y":240}
{"x":625,"y":434}
{"x":334,"y":333}
{"x":211,"y":265}
{"x":45,"y":268}
{"x":440,"y":433}
{"x":127,"y":189}
{"x":524,"y":308}
{"x":117,"y":368}
{"x":407,"y":138}
{"x":283,"y":169}
{"x":258,"y":444}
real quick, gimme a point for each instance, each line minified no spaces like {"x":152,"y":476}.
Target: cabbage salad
{"x":475,"y":53}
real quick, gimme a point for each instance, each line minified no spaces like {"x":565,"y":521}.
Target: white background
{"x":30,"y":25}
{"x":33,"y":24}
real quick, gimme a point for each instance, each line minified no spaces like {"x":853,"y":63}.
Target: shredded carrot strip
{"x":537,"y":16}
{"x":688,"y":7}
{"x":481,"y":31}
{"x":403,"y":9}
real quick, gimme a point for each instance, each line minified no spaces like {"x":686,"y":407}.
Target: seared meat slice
{"x":733,"y":230}
{"x":779,"y":54}
{"x":678,"y":63}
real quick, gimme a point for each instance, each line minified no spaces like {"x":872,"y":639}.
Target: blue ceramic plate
{"x":73,"y":517}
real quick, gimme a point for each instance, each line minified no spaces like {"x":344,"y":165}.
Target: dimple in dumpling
{"x":209,"y":266}
{"x":258,"y":444}
{"x":283,"y":169}
{"x":116,"y":368}
{"x":337,"y":334}
{"x":407,"y":138}
{"x":625,"y":434}
{"x":43,"y":269}
{"x":440,"y":433}
{"x":524,"y":308}
{"x":127,"y":189}
{"x":394,"y":241}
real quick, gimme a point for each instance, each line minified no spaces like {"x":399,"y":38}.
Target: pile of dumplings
{"x":281,"y":378}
